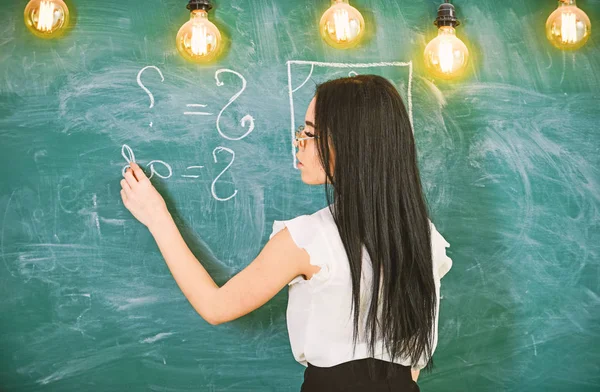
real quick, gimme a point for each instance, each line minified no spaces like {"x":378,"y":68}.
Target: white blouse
{"x":319,"y":317}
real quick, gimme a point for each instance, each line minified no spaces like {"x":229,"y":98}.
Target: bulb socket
{"x":199,"y":5}
{"x":446,"y":16}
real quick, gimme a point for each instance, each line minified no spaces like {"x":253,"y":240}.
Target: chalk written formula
{"x":161,"y":168}
{"x":305,"y":69}
{"x":166,"y":171}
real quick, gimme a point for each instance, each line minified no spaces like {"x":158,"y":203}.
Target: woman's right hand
{"x":141,"y":198}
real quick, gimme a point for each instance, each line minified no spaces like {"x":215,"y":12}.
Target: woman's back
{"x":319,"y":313}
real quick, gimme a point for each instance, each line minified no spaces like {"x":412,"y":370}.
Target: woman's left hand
{"x":141,"y":198}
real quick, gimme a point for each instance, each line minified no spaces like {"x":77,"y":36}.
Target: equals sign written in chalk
{"x":194,"y":105}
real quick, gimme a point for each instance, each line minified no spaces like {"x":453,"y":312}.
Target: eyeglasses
{"x":301,"y":141}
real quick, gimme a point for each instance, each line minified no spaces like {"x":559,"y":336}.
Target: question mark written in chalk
{"x":139,"y":81}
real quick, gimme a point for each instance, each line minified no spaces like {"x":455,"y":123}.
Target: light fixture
{"x":342,"y":26}
{"x":46,"y":18}
{"x":568,"y":27}
{"x":199,"y":40}
{"x":446,"y":56}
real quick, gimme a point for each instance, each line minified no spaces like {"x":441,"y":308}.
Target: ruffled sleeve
{"x":306,"y":232}
{"x":441,"y":265}
{"x":441,"y":262}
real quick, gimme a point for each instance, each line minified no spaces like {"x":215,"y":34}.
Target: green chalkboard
{"x":509,"y":159}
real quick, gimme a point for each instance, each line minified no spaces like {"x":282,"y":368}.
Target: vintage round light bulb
{"x":46,"y":18}
{"x":342,"y":26}
{"x":199,"y":40}
{"x":446,"y":56}
{"x":568,"y":27}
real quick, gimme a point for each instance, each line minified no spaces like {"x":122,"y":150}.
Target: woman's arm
{"x":251,"y":288}
{"x":278,"y":263}
{"x":415,"y":374}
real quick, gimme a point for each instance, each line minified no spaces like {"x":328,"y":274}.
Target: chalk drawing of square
{"x":352,"y":66}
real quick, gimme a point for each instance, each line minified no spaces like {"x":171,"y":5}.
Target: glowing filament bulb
{"x":568,"y":27}
{"x":198,"y":40}
{"x":342,"y":26}
{"x":446,"y":56}
{"x":46,"y":18}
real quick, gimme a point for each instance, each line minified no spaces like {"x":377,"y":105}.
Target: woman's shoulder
{"x":310,"y":233}
{"x":304,"y":227}
{"x":324,"y":214}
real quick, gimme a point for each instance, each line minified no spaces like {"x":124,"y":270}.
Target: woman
{"x":363,"y":273}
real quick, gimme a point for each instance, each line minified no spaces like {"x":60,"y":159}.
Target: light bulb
{"x":342,"y":26}
{"x":46,"y":18}
{"x":198,"y":40}
{"x":446,"y":56}
{"x":568,"y":27}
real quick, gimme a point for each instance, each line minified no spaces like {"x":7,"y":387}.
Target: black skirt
{"x":368,"y":375}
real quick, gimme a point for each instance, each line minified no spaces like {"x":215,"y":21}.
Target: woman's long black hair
{"x":378,"y":203}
